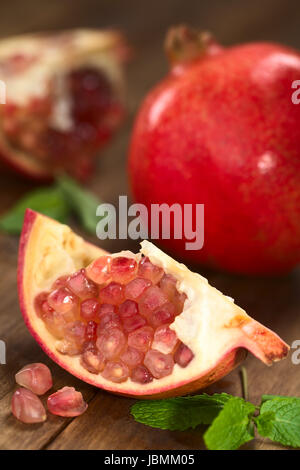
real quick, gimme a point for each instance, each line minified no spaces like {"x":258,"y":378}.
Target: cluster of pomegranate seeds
{"x":115,"y":315}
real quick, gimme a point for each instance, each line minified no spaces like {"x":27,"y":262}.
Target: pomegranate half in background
{"x":64,"y":100}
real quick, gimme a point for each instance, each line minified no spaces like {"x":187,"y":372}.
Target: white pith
{"x":210,"y":324}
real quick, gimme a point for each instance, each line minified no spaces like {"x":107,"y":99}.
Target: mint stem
{"x":244,"y":378}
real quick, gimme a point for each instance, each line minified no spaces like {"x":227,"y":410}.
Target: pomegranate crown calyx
{"x":184,"y":44}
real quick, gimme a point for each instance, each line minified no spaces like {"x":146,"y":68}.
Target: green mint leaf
{"x":82,"y":202}
{"x":271,"y":397}
{"x":179,"y":413}
{"x":49,"y":201}
{"x":232,"y":427}
{"x":279,"y":420}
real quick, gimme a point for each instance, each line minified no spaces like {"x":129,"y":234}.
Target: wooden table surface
{"x":276,"y":302}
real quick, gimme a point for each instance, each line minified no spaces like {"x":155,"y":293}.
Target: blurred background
{"x":145,"y":25}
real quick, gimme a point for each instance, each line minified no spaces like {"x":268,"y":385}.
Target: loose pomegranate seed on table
{"x":66,"y":402}
{"x":36,"y":377}
{"x":27,"y":407}
{"x":116,"y":316}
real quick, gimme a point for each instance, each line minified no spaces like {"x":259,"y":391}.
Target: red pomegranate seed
{"x":132,"y":357}
{"x":93,"y":361}
{"x":128,"y":308}
{"x":89,"y":309}
{"x":164,"y":340}
{"x":159,"y":364}
{"x":46,"y":309}
{"x":89,"y":346}
{"x":62,"y":300}
{"x":136,"y":287}
{"x":107,"y":321}
{"x":107,"y":308}
{"x":27,"y":407}
{"x":168,"y":286}
{"x":66,"y":402}
{"x":162,"y":315}
{"x":123,"y":269}
{"x":99,"y":270}
{"x":149,"y":271}
{"x":133,"y":323}
{"x":141,"y":339}
{"x":68,"y":348}
{"x":60,"y":282}
{"x":80,"y":285}
{"x":39,"y":300}
{"x":183,"y":355}
{"x":141,"y":375}
{"x":55,"y":323}
{"x":74,"y":338}
{"x":113,"y":293}
{"x":152,"y":299}
{"x":36,"y":377}
{"x":75,"y":332}
{"x":91,"y":331}
{"x":116,"y":371}
{"x":111,"y":343}
{"x":179,"y":299}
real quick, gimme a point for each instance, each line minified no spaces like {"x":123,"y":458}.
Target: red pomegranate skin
{"x":222,"y":130}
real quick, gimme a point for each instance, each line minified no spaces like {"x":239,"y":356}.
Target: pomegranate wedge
{"x":64,"y":100}
{"x":138,"y":325}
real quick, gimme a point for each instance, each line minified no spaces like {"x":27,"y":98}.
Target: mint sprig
{"x":179,"y":414}
{"x":231,"y":420}
{"x":279,"y":420}
{"x":49,"y":201}
{"x":59,"y":201}
{"x":232,"y":427}
{"x":82,"y":202}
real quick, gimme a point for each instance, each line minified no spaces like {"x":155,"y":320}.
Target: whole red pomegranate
{"x":221,"y":129}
